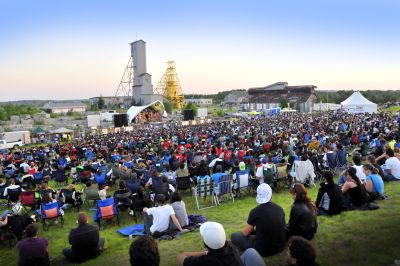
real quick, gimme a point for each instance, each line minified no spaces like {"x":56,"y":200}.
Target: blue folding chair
{"x":100,"y":178}
{"x":38,"y":176}
{"x":106,"y":210}
{"x":50,"y":211}
{"x":224,"y":188}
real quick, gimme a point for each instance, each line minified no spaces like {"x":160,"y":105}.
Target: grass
{"x":351,"y":238}
{"x":393,"y":109}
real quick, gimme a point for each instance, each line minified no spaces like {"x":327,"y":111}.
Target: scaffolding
{"x":125,"y":86}
{"x":170,"y":87}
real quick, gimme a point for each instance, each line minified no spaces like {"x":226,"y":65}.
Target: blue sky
{"x":78,"y":49}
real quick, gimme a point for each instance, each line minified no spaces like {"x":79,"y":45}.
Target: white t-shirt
{"x":360,"y":173}
{"x":393,"y":164}
{"x":161,"y":216}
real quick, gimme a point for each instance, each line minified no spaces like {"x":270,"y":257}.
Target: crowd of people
{"x":146,"y":164}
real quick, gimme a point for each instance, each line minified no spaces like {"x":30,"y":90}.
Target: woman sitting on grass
{"x":303,"y":214}
{"x":353,"y":191}
{"x":329,"y":199}
{"x":180,"y":209}
{"x":374,"y":184}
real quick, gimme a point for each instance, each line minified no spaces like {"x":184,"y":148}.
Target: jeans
{"x":72,"y":257}
{"x":389,"y":177}
{"x":251,"y":258}
{"x":243,"y":242}
{"x":148,"y":222}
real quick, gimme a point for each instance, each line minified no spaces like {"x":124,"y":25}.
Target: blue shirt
{"x":377,"y":183}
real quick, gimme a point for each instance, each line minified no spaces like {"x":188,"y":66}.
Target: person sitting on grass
{"x":300,"y":252}
{"x":33,"y":250}
{"x":265,"y":228}
{"x":217,"y":252}
{"x":354,"y":194}
{"x":157,"y":219}
{"x":329,"y":198}
{"x":3,"y":223}
{"x":303,"y":214}
{"x":392,"y":165}
{"x":180,"y":209}
{"x":144,"y":252}
{"x":85,"y":241}
{"x":374,"y":185}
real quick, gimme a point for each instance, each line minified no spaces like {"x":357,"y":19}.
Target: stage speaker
{"x":188,"y":115}
{"x":120,"y":120}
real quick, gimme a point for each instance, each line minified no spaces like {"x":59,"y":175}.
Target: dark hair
{"x":144,"y":252}
{"x":339,"y":146}
{"x":390,"y":152}
{"x":302,"y":250}
{"x":357,"y":159}
{"x":31,"y":230}
{"x":182,"y":166}
{"x":160,"y":198}
{"x":300,"y":191}
{"x":122,"y":184}
{"x":304,"y":157}
{"x":175,"y":197}
{"x":88,"y":183}
{"x":218,"y":168}
{"x":328,"y":176}
{"x":352,"y":172}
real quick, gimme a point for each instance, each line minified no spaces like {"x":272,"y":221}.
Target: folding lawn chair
{"x":243,"y":180}
{"x":13,"y":195}
{"x":71,"y":197}
{"x":203,"y":189}
{"x":224,"y":187}
{"x":50,"y":211}
{"x":106,"y":210}
{"x":183,"y":183}
{"x":27,"y":199}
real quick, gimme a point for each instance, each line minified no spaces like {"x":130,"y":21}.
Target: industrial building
{"x":301,"y":98}
{"x":200,"y":102}
{"x":64,"y":107}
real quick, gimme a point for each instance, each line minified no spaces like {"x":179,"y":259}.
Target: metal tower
{"x":125,"y":85}
{"x":170,"y":87}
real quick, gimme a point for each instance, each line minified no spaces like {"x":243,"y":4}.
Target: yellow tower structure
{"x":170,"y":87}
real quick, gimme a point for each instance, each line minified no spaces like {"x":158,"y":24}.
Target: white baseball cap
{"x":264,"y":193}
{"x":213,"y":235}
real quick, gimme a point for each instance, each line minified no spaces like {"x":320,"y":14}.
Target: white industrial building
{"x":142,"y":86}
{"x":200,"y":101}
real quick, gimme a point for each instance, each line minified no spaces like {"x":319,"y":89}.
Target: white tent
{"x":133,"y":111}
{"x":357,"y":103}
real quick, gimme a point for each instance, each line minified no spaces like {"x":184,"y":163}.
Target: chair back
{"x":27,"y":198}
{"x":269,"y":174}
{"x":107,"y":208}
{"x":159,"y":187}
{"x":243,"y":178}
{"x":331,"y":159}
{"x":224,"y":184}
{"x":341,"y":157}
{"x":38,"y":176}
{"x":100,"y":178}
{"x":282,"y":173}
{"x":204,"y":186}
{"x":183,"y":182}
{"x":50,"y":210}
{"x":13,"y":194}
{"x":68,"y":196}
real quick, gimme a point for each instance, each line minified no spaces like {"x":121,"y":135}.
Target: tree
{"x":220,"y":113}
{"x":168,"y":106}
{"x":283,"y":103}
{"x":100,"y":102}
{"x":191,"y":106}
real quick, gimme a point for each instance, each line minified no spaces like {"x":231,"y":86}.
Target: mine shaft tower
{"x":170,"y":87}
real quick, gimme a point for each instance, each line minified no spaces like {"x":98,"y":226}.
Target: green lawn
{"x":392,"y":109}
{"x":352,"y":238}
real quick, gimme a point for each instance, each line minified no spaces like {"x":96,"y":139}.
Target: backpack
{"x":269,"y":174}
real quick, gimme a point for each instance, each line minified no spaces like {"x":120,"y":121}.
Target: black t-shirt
{"x":302,"y":221}
{"x":269,"y":220}
{"x":226,"y":256}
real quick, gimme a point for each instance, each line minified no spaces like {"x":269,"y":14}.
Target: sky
{"x":73,"y":49}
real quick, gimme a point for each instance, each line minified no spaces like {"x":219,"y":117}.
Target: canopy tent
{"x":61,"y":130}
{"x":134,"y":111}
{"x":357,"y":103}
{"x":39,"y":131}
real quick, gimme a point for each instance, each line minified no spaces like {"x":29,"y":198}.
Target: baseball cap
{"x":213,"y":235}
{"x":242,"y":166}
{"x":264,"y":193}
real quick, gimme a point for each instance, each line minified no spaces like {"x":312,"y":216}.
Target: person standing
{"x":265,"y":228}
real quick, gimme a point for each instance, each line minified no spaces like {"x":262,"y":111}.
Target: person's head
{"x":218,"y":169}
{"x":351,"y":174}
{"x":213,"y":235}
{"x":182,"y":166}
{"x":160,"y":198}
{"x":12,"y":181}
{"x":82,"y":218}
{"x":144,"y":252}
{"x":175,"y":197}
{"x":47,"y":198}
{"x":264,"y":193}
{"x":369,"y":169}
{"x":328,"y":176}
{"x":89,"y":183}
{"x":357,"y":159}
{"x":31,"y":230}
{"x":389,"y":152}
{"x":300,"y":195}
{"x":371,"y":159}
{"x":304,"y":157}
{"x":121,"y":184}
{"x":300,"y":252}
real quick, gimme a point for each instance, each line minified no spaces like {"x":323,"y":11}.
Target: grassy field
{"x":352,"y":238}
{"x":392,"y":109}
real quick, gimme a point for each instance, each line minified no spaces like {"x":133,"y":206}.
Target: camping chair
{"x":281,"y":175}
{"x":183,"y":183}
{"x":38,"y":177}
{"x":242,"y":180}
{"x":27,"y":182}
{"x":106,"y":210}
{"x":100,"y":178}
{"x":123,"y":200}
{"x":224,"y":187}
{"x":71,"y":197}
{"x":341,"y":157}
{"x":92,"y":198}
{"x":50,"y":211}
{"x":13,"y":195}
{"x":203,"y":189}
{"x":332,"y":162}
{"x":269,"y":175}
{"x":60,"y":177}
{"x":27,"y":199}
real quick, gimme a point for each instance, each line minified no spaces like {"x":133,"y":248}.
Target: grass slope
{"x":352,"y":238}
